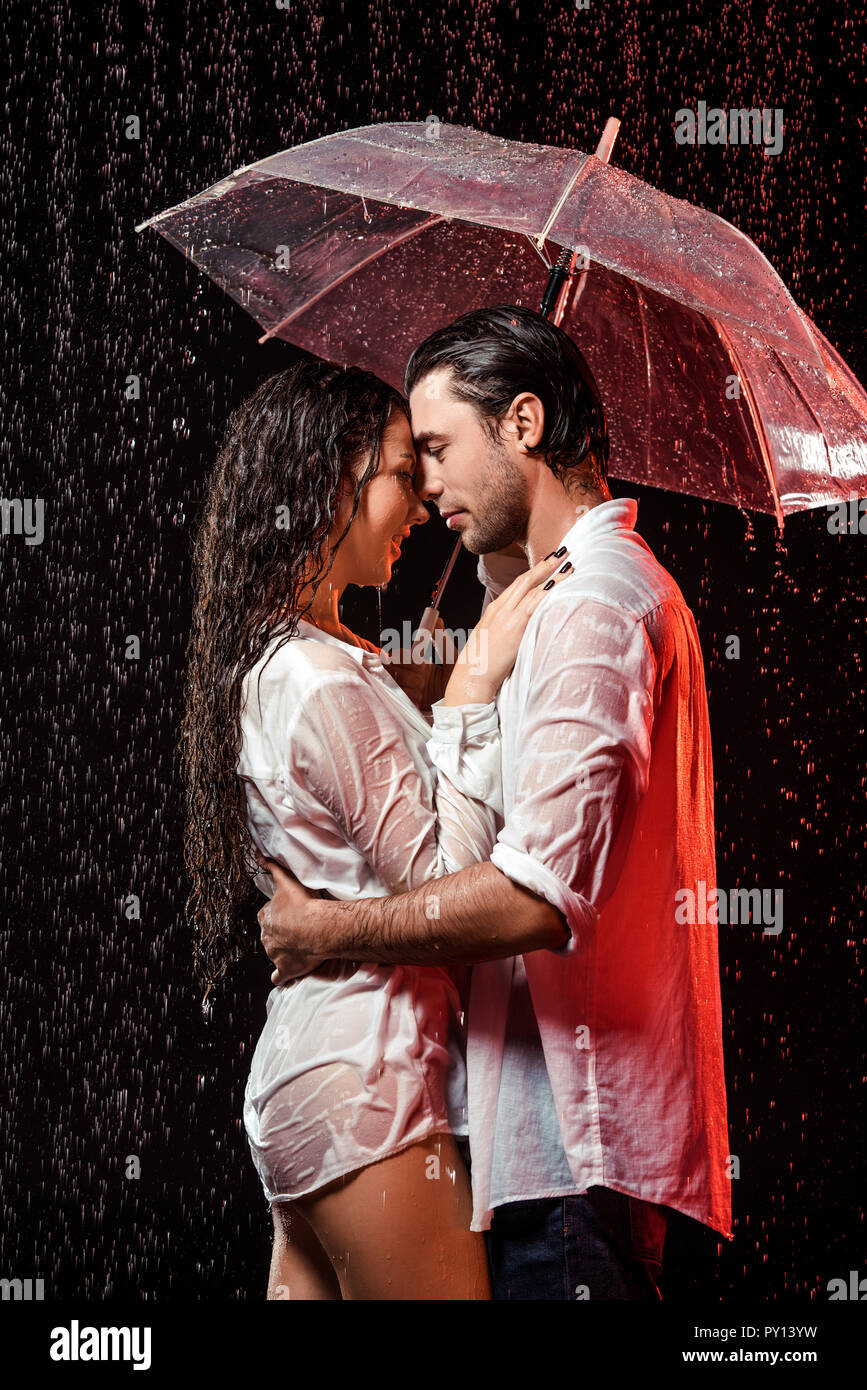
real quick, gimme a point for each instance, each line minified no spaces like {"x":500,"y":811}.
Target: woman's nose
{"x":419,"y":514}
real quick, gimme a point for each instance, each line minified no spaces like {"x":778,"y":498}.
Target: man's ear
{"x":528,"y":418}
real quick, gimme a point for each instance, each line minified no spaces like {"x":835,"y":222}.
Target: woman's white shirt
{"x":340,"y":785}
{"x":356,"y":1061}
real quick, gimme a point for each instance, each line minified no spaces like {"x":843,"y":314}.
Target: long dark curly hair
{"x":268,"y":508}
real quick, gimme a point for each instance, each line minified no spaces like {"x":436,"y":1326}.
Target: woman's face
{"x":387,"y":508}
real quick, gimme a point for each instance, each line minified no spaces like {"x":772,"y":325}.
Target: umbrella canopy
{"x":358,"y":245}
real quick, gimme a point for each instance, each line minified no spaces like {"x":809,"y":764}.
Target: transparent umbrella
{"x":715,"y":383}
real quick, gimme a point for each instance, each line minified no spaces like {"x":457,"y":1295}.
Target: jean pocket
{"x":647,"y":1227}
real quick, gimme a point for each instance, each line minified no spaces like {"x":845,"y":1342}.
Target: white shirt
{"x":607,"y":812}
{"x":356,"y":1061}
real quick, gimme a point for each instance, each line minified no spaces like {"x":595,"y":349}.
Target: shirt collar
{"x":363,"y":655}
{"x":618,"y":514}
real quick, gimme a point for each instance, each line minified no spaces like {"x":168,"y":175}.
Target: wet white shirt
{"x":607,"y":811}
{"x":356,"y":1061}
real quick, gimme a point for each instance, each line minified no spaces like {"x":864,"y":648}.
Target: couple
{"x":538,"y":831}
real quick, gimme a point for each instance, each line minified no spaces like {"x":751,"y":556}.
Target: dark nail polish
{"x":549,"y":585}
{"x":561,"y":551}
{"x":564,"y":568}
{"x":550,"y":555}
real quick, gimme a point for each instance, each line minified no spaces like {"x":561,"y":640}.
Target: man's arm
{"x":475,"y":915}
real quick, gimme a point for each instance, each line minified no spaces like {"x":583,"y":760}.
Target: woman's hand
{"x":490,"y":652}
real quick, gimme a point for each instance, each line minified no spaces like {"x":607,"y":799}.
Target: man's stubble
{"x":502,"y":509}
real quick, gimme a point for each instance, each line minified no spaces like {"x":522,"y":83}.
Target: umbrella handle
{"x":429,"y":620}
{"x":423,"y":635}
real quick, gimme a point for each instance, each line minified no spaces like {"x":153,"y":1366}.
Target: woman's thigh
{"x":399,"y":1229}
{"x":300,"y":1268}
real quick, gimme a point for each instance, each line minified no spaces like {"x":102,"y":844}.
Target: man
{"x":596,"y":1090}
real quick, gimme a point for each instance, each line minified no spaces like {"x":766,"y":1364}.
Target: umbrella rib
{"x":755,"y":416}
{"x":564,"y":195}
{"x":633,"y":287}
{"x":333,"y":220}
{"x":819,"y":426}
{"x":636,"y":288}
{"x":360,"y":265}
{"x":539,"y":252}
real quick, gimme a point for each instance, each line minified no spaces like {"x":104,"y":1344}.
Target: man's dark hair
{"x":495,"y":354}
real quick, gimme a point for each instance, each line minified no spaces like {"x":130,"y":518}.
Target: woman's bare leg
{"x":300,"y":1268}
{"x":399,"y":1229}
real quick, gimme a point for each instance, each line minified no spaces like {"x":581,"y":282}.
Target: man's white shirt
{"x":607,"y":811}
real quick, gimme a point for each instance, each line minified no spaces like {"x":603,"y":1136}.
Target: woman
{"x":300,"y":745}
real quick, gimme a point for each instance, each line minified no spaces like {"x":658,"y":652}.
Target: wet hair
{"x":495,"y":354}
{"x":270,"y":503}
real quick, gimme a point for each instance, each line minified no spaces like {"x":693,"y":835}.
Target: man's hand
{"x":288,"y":909}
{"x":478,"y":914}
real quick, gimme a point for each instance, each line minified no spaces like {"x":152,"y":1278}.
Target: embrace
{"x":492,"y":1061}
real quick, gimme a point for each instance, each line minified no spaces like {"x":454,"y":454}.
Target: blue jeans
{"x":600,"y":1244}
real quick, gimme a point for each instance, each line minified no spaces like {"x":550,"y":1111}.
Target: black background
{"x":106,"y":1051}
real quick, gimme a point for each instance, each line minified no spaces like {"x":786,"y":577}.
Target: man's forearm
{"x":475,"y":915}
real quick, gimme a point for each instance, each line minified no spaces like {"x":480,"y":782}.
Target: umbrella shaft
{"x":559,"y":275}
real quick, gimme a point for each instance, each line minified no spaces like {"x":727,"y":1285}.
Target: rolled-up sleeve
{"x":582,"y":752}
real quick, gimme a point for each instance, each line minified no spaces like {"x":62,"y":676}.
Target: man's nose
{"x":427,"y":485}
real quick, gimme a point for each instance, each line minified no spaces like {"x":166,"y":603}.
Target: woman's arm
{"x":351,"y":764}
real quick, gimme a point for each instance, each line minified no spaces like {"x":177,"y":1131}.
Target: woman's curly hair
{"x":269,"y":505}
